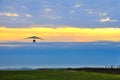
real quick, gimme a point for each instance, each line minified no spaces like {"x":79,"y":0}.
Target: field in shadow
{"x":61,"y":74}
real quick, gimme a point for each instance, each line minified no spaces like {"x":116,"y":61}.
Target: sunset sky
{"x":75,"y":33}
{"x":60,"y":20}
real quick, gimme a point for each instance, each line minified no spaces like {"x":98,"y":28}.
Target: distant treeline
{"x":100,"y":70}
{"x":109,"y":70}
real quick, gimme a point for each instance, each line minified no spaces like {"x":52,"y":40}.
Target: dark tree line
{"x":110,"y":70}
{"x":106,"y":69}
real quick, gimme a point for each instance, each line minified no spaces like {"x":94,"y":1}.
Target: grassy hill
{"x":55,"y":75}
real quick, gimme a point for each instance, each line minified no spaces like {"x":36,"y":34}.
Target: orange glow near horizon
{"x":61,"y":34}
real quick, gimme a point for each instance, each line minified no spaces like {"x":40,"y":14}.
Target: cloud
{"x":90,"y":11}
{"x":103,"y":13}
{"x":14,"y":14}
{"x":28,"y":15}
{"x":107,"y":19}
{"x":60,"y":34}
{"x":77,"y":6}
{"x":48,"y":9}
{"x":9,"y":14}
{"x":48,"y":13}
{"x":73,"y":10}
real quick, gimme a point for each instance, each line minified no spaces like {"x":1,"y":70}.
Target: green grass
{"x":55,"y":75}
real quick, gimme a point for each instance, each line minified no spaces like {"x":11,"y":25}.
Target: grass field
{"x":55,"y":75}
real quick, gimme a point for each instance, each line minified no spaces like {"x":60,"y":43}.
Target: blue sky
{"x":77,"y":13}
{"x":59,"y":54}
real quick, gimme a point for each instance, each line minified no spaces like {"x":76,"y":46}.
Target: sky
{"x":64,"y":25}
{"x":60,"y":20}
{"x":59,"y":54}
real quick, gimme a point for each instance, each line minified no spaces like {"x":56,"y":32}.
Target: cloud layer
{"x":107,"y":20}
{"x":60,"y":34}
{"x":9,"y":14}
{"x":85,"y":13}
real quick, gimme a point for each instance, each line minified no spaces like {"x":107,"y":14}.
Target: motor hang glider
{"x":34,"y":38}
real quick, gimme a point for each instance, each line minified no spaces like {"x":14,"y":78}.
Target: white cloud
{"x":90,"y":11}
{"x":14,"y":14}
{"x":28,"y":15}
{"x":48,"y":13}
{"x":9,"y":14}
{"x":103,"y":13}
{"x":48,"y":9}
{"x":77,"y":6}
{"x":107,"y":19}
